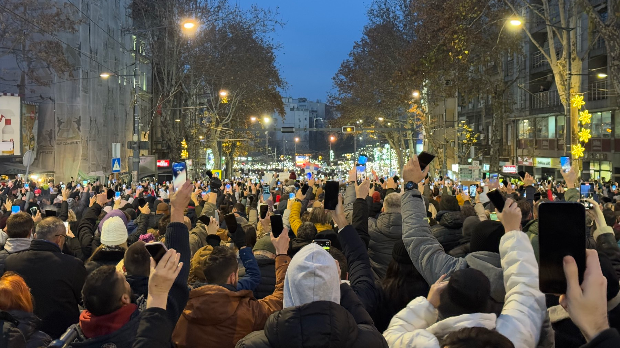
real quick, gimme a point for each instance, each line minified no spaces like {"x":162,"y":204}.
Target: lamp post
{"x":264,"y":122}
{"x":295,"y":157}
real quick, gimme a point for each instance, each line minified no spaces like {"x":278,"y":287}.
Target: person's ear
{"x":126,"y":299}
{"x":231,"y":278}
{"x":124,"y":269}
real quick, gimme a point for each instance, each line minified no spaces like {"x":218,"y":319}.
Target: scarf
{"x":95,"y":326}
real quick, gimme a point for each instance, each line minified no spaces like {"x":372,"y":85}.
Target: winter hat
{"x":400,"y":254}
{"x":468,"y":291}
{"x":162,"y":208}
{"x":265,"y":244}
{"x":449,"y":203}
{"x":469,"y":226}
{"x":486,"y":236}
{"x":147,"y":238}
{"x":37,"y":191}
{"x":131,"y":212}
{"x":312,"y":276}
{"x":197,"y":265}
{"x":376,"y":197}
{"x":110,"y":215}
{"x":113,"y":232}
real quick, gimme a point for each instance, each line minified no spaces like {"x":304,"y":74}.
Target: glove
{"x":238,"y":237}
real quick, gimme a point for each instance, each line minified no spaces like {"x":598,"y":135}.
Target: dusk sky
{"x":317,"y":36}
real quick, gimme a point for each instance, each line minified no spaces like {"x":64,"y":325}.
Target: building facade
{"x":80,"y":115}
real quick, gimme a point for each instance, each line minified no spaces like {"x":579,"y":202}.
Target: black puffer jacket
{"x":384,"y":233}
{"x":449,"y":230}
{"x":108,"y":256}
{"x":319,"y":324}
{"x":267,"y":283}
{"x":26,"y":323}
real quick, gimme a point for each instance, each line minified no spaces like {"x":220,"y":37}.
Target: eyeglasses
{"x":61,"y":235}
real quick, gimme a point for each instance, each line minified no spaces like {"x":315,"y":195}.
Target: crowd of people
{"x":417,"y":262}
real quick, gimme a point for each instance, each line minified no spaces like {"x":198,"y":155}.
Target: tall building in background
{"x":78,"y":117}
{"x":303,"y":115}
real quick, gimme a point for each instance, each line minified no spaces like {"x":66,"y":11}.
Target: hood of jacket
{"x":211,"y":305}
{"x":390,"y":225}
{"x":28,"y":322}
{"x":450,"y":219}
{"x":430,"y":337}
{"x":490,"y":264}
{"x":531,"y":227}
{"x":312,"y":276}
{"x":316,"y":324}
{"x":139,"y":284}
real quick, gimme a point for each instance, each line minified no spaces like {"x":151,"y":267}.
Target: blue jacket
{"x":252,"y":273}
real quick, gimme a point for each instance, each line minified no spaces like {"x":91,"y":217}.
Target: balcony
{"x":544,"y":100}
{"x":597,"y":90}
{"x":538,"y":60}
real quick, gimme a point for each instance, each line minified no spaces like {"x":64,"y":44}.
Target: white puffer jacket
{"x":521,"y":318}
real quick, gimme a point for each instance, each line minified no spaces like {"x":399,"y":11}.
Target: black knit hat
{"x":468,"y":291}
{"x":400,"y":254}
{"x":449,"y":203}
{"x":486,"y":236}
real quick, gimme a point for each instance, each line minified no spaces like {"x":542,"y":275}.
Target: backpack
{"x":12,"y":337}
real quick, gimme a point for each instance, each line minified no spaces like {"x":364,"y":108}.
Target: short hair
{"x":467,"y":211}
{"x":239,"y":207}
{"x":342,"y":262}
{"x":526,"y":208}
{"x":476,"y":337}
{"x":14,"y":293}
{"x":137,"y":260}
{"x":49,"y":227}
{"x":19,"y":225}
{"x":220,"y":264}
{"x":307,"y":231}
{"x":320,"y":216}
{"x":101,"y":292}
{"x":391,"y":203}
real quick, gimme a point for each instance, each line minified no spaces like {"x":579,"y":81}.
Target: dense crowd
{"x":417,"y":262}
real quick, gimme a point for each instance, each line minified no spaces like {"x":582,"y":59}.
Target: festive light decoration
{"x":184,"y":153}
{"x":584,"y":135}
{"x":577,"y":101}
{"x":578,"y":151}
{"x":585,"y":117}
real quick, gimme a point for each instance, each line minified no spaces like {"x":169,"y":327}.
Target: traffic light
{"x":348,"y":129}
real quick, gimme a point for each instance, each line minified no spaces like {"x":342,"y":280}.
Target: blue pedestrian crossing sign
{"x":116,"y":165}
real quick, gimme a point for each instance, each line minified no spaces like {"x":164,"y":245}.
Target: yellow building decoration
{"x":585,"y":118}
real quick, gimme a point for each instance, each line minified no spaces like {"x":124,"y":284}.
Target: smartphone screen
{"x":361,"y":171}
{"x":362,"y":159}
{"x":231,"y":223}
{"x":493,"y":216}
{"x":614,"y":187}
{"x":585,"y":189}
{"x":85,"y":182}
{"x":291,"y":195}
{"x":179,"y":174}
{"x":276,"y":225}
{"x":309,"y":175}
{"x":562,"y":232}
{"x":26,"y":186}
{"x":228,"y":186}
{"x":472,"y":190}
{"x":15,"y":209}
{"x":424,"y":159}
{"x":110,"y":193}
{"x":157,"y":250}
{"x":117,"y":195}
{"x":565,"y":163}
{"x":323,"y":243}
{"x":49,"y":213}
{"x":331,"y":194}
{"x":66,"y":225}
{"x":497,"y":199}
{"x":264,"y":208}
{"x":304,"y":189}
{"x":33,"y":210}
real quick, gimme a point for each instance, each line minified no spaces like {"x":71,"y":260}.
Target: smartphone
{"x":228,"y":186}
{"x":63,"y":186}
{"x":331,"y":195}
{"x":497,"y":199}
{"x":565,"y":163}
{"x":586,"y":204}
{"x":614,"y":187}
{"x":264,"y":209}
{"x":49,"y":213}
{"x":231,"y":223}
{"x":522,"y":174}
{"x":309,"y":175}
{"x":493,"y":216}
{"x":424,"y":159}
{"x":291,"y":195}
{"x":66,"y":223}
{"x":472,"y":190}
{"x":276,"y":225}
{"x":157,"y":250}
{"x":585,"y":189}
{"x":304,"y":189}
{"x":323,"y":243}
{"x":217,"y":216}
{"x":362,"y":159}
{"x":110,"y":193}
{"x":15,"y":209}
{"x":33,"y":210}
{"x":562,"y":229}
{"x":124,"y":186}
{"x":85,"y":182}
{"x":179,"y":174}
{"x":26,"y":186}
{"x":77,"y":186}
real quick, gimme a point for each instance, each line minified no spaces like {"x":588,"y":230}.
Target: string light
{"x":578,"y":151}
{"x":577,"y":101}
{"x":584,"y":135}
{"x":585,"y":117}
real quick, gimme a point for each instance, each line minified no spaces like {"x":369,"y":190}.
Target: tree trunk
{"x":217,"y":160}
{"x":497,"y":134}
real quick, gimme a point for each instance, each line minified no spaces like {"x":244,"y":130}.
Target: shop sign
{"x":509,"y":169}
{"x":542,"y":162}
{"x":525,"y":161}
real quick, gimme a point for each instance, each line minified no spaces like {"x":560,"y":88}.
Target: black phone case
{"x":276,"y":225}
{"x":562,"y":232}
{"x":497,"y":199}
{"x":331,"y":195}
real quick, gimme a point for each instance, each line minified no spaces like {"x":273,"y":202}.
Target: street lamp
{"x":253,"y":118}
{"x":601,"y":75}
{"x":380,"y":119}
{"x":331,"y":140}
{"x":416,"y":94}
{"x":515,"y":22}
{"x":296,"y":141}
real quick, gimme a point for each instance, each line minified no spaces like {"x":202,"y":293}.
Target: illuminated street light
{"x":189,"y":25}
{"x":266,"y":119}
{"x":601,"y":75}
{"x":296,"y":139}
{"x":332,"y":138}
{"x":515,"y":22}
{"x":223,"y":93}
{"x":416,"y":94}
{"x":253,"y":118}
{"x":380,"y":119}
{"x":104,"y":75}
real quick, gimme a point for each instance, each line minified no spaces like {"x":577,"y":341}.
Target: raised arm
{"x":427,"y":254}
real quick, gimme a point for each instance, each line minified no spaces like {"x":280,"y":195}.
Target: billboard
{"x":10,"y":123}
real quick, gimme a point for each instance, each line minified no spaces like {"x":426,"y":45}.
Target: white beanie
{"x":312,"y":276}
{"x":113,"y":232}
